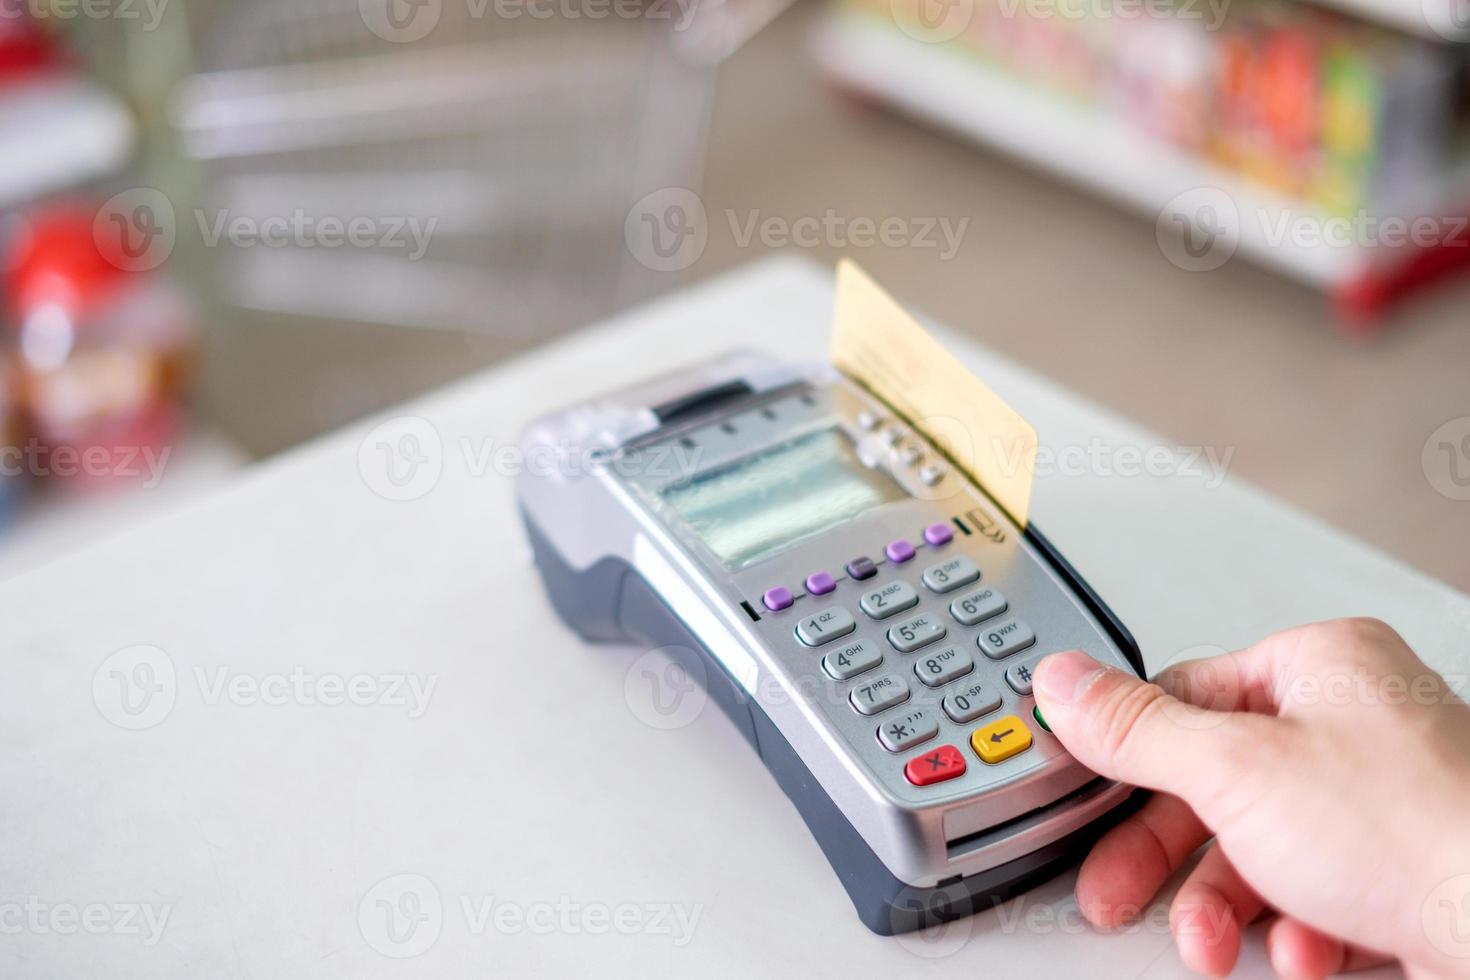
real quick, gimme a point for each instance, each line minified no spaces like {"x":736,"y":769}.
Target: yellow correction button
{"x":1000,"y":740}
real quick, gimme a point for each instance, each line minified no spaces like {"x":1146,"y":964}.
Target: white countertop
{"x":264,"y":832}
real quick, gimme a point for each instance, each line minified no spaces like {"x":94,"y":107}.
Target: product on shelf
{"x":24,"y":46}
{"x":1318,"y":106}
{"x":104,"y":352}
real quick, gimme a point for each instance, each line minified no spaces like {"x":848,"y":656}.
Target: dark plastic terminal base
{"x":610,"y":601}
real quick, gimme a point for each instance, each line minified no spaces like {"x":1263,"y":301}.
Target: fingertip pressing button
{"x":938,"y":534}
{"x":1000,"y":740}
{"x":778,"y":598}
{"x":820,"y":583}
{"x":899,"y":551}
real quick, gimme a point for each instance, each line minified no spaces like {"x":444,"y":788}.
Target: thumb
{"x":1129,"y":730}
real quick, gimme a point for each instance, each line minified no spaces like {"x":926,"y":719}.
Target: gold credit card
{"x":877,"y":344}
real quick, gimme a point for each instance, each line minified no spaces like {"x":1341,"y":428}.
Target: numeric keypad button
{"x":906,"y":731}
{"x":883,"y":691}
{"x":950,"y":574}
{"x":942,"y":666}
{"x":852,"y":659}
{"x":921,"y":630}
{"x":977,"y":606}
{"x":825,"y":626}
{"x":889,"y":600}
{"x":1005,"y":638}
{"x":970,"y":702}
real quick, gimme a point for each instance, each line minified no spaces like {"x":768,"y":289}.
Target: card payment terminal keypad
{"x":920,"y":672}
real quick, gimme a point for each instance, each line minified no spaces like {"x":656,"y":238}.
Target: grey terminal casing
{"x":621,"y":564}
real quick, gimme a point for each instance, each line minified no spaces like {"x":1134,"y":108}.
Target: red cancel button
{"x":935,"y":766}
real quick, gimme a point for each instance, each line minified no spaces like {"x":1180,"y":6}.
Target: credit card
{"x":880,"y":346}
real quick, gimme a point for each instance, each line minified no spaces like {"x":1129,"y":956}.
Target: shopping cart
{"x":495,"y":157}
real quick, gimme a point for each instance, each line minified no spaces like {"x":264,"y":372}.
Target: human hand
{"x":1331,"y":765}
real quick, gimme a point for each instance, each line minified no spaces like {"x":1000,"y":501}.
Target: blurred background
{"x":227,"y":226}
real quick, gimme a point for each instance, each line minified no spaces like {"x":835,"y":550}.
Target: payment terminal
{"x":866,"y":616}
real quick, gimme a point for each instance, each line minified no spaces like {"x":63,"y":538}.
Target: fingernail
{"x":1065,"y":677}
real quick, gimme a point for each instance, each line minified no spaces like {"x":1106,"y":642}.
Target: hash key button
{"x":911,"y":634}
{"x":1006,"y":638}
{"x":951,"y":574}
{"x":881,"y":692}
{"x":971,"y":609}
{"x":892,"y":598}
{"x":1020,"y":676}
{"x":901,"y":733}
{"x":825,"y":626}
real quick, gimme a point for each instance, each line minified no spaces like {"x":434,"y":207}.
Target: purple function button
{"x":899,"y":551}
{"x":777,"y":599}
{"x":820,"y":583}
{"x":938,"y":534}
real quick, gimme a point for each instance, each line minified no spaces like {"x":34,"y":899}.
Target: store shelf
{"x":58,"y":131}
{"x":961,"y":92}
